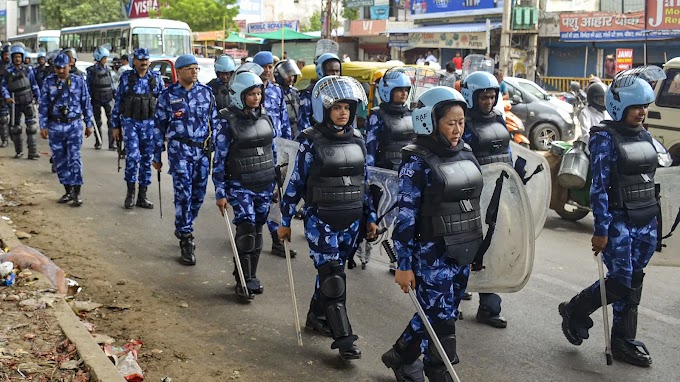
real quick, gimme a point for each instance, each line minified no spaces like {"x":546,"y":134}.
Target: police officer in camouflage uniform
{"x":133,"y":111}
{"x":73,"y":57}
{"x":64,"y":104}
{"x":622,"y":196}
{"x":440,"y":183}
{"x":244,"y":174}
{"x":276,"y":109}
{"x":100,"y":82}
{"x":4,"y":108}
{"x":20,"y":88}
{"x":224,"y":67}
{"x":330,"y":174}
{"x":187,"y":117}
{"x":328,"y":64}
{"x":42,"y":70}
{"x":286,"y":74}
{"x":486,"y":133}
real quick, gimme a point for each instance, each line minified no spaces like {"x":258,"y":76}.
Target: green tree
{"x":314,"y":23}
{"x":201,"y":15}
{"x":57,"y":14}
{"x":349,"y":13}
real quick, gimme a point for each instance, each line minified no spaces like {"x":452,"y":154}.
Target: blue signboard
{"x":380,"y":12}
{"x":422,"y":7}
{"x":617,"y":35}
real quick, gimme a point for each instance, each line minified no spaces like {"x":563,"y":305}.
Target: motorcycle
{"x":576,"y":97}
{"x":571,"y":178}
{"x":515,"y":126}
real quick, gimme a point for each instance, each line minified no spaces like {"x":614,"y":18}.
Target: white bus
{"x":163,"y":38}
{"x":45,"y":41}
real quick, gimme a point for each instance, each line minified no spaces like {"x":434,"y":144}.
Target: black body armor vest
{"x":251,"y":154}
{"x":102,"y":85}
{"x":335,"y":185}
{"x":19,"y":84}
{"x":397,"y":133}
{"x":490,"y":140}
{"x":139,"y":107}
{"x":221,"y":92}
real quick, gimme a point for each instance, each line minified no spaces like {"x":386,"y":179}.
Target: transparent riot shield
{"x":538,"y":182}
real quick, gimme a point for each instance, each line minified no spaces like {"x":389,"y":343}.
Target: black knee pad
{"x":15,"y":130}
{"x":258,"y":238}
{"x":31,"y":129}
{"x":446,"y":332}
{"x":332,"y":280}
{"x":490,"y":302}
{"x":245,"y":237}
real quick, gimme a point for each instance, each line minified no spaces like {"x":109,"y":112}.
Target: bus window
{"x":48,"y":44}
{"x":149,"y":38}
{"x":176,"y":42}
{"x":112,"y":37}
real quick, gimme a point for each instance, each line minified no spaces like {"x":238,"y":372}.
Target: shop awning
{"x":288,"y":34}
{"x":449,"y":28}
{"x":234,"y":38}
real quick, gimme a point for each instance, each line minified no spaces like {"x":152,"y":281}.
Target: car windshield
{"x":207,"y":73}
{"x":533,"y":89}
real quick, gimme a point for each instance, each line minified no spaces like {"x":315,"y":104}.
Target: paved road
{"x":532,"y":348}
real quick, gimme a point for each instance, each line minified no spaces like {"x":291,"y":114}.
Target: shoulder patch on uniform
{"x":406,"y":171}
{"x":176,"y":100}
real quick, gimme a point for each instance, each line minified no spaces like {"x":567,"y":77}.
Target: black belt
{"x":64,"y":119}
{"x":189,"y":142}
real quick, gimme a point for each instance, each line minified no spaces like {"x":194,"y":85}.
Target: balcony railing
{"x":561,"y":84}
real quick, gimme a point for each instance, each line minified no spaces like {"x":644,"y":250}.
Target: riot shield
{"x":425,"y":78}
{"x":324,"y":46}
{"x":534,"y":169}
{"x":476,"y":62}
{"x":669,"y":180}
{"x":286,"y":152}
{"x":509,"y":260}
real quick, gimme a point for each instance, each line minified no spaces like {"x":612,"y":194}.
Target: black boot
{"x":187,"y":247}
{"x":489,"y":312}
{"x":624,"y":346}
{"x":403,"y":360}
{"x":316,"y":320}
{"x":576,"y":313}
{"x":75,"y":196}
{"x":345,"y":345}
{"x":97,"y":142}
{"x":142,"y":201}
{"x":277,"y":246}
{"x":18,"y":145}
{"x":54,"y":166}
{"x":130,"y":196}
{"x":67,"y":196}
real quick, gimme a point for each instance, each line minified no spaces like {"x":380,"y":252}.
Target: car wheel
{"x":542,"y":136}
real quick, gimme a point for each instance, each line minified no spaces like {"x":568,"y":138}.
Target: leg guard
{"x":245,"y":244}
{"x":333,"y":295}
{"x":31,"y":131}
{"x":15,"y":133}
{"x":254,"y":284}
{"x":490,"y":309}
{"x":575,"y":313}
{"x":4,"y":130}
{"x":624,"y":345}
{"x":316,"y":319}
{"x":403,"y":359}
{"x":435,"y":369}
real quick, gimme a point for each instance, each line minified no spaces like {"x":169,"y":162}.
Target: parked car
{"x":166,"y":67}
{"x":664,"y":112}
{"x":546,"y":118}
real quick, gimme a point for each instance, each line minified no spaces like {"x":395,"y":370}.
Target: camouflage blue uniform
{"x":66,"y":135}
{"x":440,"y":283}
{"x":186,"y":119}
{"x":22,"y":108}
{"x":292,"y":95}
{"x":325,"y":243}
{"x":276,"y":109}
{"x":305,"y":117}
{"x":374,"y":128}
{"x":139,"y":147}
{"x":248,"y":205}
{"x":629,"y":248}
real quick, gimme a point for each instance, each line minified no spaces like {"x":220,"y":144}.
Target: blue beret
{"x":141,"y":54}
{"x":61,"y":60}
{"x":263,"y":58}
{"x":185,"y":60}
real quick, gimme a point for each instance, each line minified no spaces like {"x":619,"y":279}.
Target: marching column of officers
{"x":438,"y":149}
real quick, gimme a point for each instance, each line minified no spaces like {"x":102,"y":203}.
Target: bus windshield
{"x":48,"y":44}
{"x":176,"y":42}
{"x":149,"y":38}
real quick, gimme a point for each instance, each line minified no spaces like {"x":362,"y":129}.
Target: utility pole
{"x":504,"y":63}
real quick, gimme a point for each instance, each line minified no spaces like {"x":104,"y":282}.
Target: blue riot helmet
{"x":16,"y":49}
{"x":241,"y":83}
{"x":619,"y":98}
{"x":42,"y":54}
{"x":333,"y":89}
{"x":225,"y":64}
{"x":424,"y":121}
{"x":390,"y":81}
{"x":285,"y":70}
{"x":475,"y":83}
{"x":100,"y":53}
{"x":322,"y":60}
{"x":6,"y":48}
{"x":263,"y":58}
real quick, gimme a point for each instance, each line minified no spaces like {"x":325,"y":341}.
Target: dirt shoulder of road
{"x":130,"y":310}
